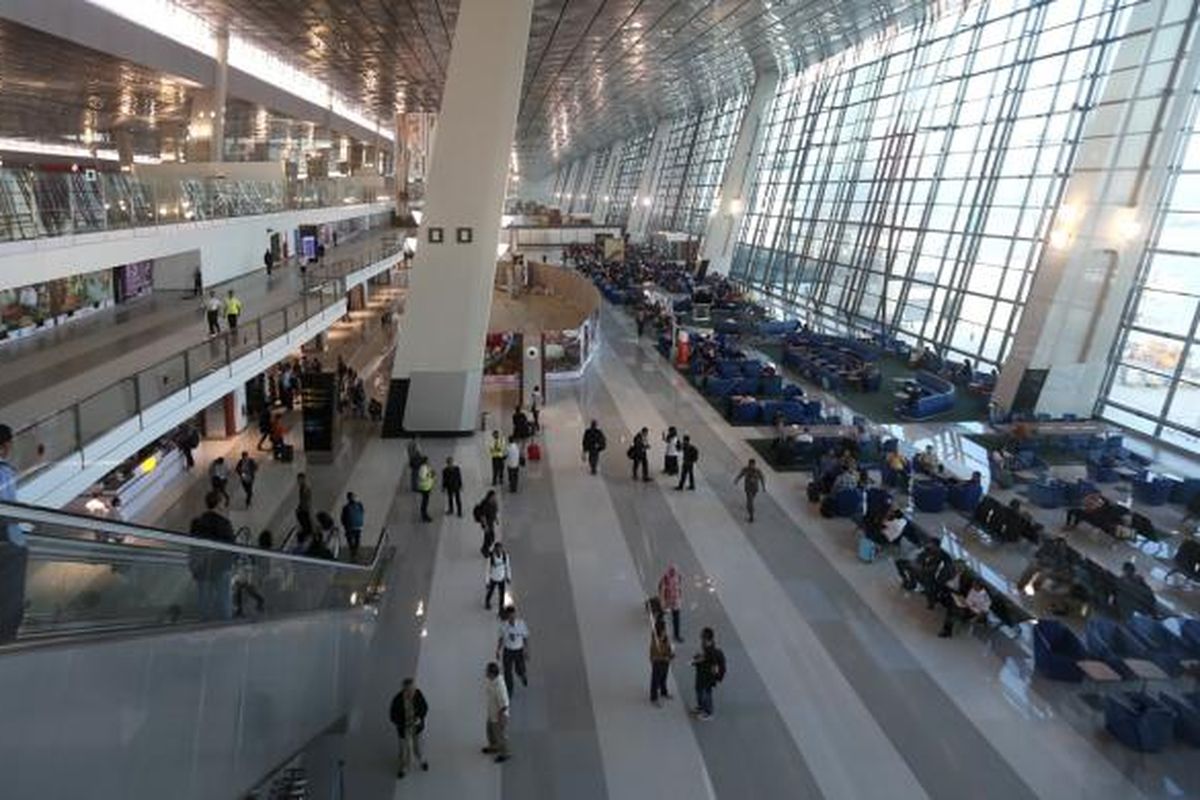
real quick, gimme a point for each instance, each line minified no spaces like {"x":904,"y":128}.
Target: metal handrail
{"x":24,"y":513}
{"x":334,"y":279}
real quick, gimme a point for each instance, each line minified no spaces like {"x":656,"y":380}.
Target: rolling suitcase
{"x":534,"y":452}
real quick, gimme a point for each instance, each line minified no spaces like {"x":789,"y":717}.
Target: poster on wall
{"x":33,"y":306}
{"x":614,"y":249}
{"x":134,"y":280}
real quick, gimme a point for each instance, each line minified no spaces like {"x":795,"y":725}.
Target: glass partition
{"x":87,"y":575}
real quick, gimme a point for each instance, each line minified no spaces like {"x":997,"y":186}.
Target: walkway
{"x":837,"y":685}
{"x":46,"y":373}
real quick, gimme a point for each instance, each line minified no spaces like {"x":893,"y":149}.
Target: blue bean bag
{"x":847,"y":503}
{"x":1048,"y":494}
{"x":746,"y":413}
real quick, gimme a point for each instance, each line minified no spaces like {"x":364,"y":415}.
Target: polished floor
{"x":837,"y":685}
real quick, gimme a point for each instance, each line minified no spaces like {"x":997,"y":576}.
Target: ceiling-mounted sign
{"x":465,"y":235}
{"x":436,"y":235}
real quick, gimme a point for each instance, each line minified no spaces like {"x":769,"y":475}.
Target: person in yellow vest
{"x":233,"y":310}
{"x":496,"y":449}
{"x":425,"y":487}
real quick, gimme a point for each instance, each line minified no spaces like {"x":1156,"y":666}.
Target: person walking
{"x":408,"y":713}
{"x":353,"y":516}
{"x":269,"y":261}
{"x":452,"y":485}
{"x":425,"y":482}
{"x":521,"y":429}
{"x":212,"y":569}
{"x":512,"y":465}
{"x":687,"y":472}
{"x":497,"y":714}
{"x":188,"y":440}
{"x":233,"y":310}
{"x":218,"y":477}
{"x":499,"y":575}
{"x":247,"y":471}
{"x":709,"y":664}
{"x":487,"y":513}
{"x":14,"y":548}
{"x":212,"y":313}
{"x":415,"y":458}
{"x":670,"y":597}
{"x":197,"y":283}
{"x":264,"y":426}
{"x":535,"y":408}
{"x":661,"y":653}
{"x":303,"y":508}
{"x":671,"y":452}
{"x":752,"y":480}
{"x":512,"y":648}
{"x":593,"y":445}
{"x":639,"y":453}
{"x":496,"y":449}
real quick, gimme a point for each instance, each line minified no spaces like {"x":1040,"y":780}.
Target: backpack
{"x":631,"y":452}
{"x":477,"y":513}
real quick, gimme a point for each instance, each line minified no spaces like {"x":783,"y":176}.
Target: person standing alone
{"x":303,"y":508}
{"x":593,"y":445}
{"x":639,"y":453}
{"x":497,"y":714}
{"x":425,"y":487}
{"x":661,"y":653}
{"x":452,"y":486}
{"x":512,"y":464}
{"x":709,"y":664}
{"x":496,"y":450}
{"x":353,"y":517}
{"x":408,"y":713}
{"x":752,"y":480}
{"x":670,"y":596}
{"x":687,"y":473}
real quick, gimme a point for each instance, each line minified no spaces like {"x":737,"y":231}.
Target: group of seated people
{"x":1098,"y":510}
{"x":1076,"y":582}
{"x":945,"y":582}
{"x":1007,"y":523}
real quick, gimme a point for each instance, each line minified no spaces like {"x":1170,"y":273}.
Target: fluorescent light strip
{"x":47,"y":149}
{"x":180,"y":25}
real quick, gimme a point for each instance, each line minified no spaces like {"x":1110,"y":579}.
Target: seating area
{"x":834,"y":363}
{"x":925,"y":397}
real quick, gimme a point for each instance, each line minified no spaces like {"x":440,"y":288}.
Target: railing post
{"x":187,"y":372}
{"x":77,"y":419}
{"x":228,"y":354}
{"x":259,"y":328}
{"x":137,"y":396}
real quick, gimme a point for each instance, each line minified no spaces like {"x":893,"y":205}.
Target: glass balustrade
{"x":64,"y":433}
{"x":36,"y":203}
{"x":85,"y":575}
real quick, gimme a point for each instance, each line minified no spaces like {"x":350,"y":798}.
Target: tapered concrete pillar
{"x":720,"y":234}
{"x":438,"y":370}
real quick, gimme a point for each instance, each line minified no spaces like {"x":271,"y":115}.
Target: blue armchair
{"x":1111,"y":643}
{"x":929,"y":496}
{"x":1101,"y":473}
{"x":847,"y":503}
{"x":1153,"y":491}
{"x":965,"y":496}
{"x":1048,"y":494}
{"x":1139,"y":722}
{"x":1057,"y":651}
{"x":1187,"y":718}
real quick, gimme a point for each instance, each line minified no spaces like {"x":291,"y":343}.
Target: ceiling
{"x":595,"y":71}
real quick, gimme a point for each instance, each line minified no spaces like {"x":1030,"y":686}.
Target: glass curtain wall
{"x":629,"y":173}
{"x":595,"y":187}
{"x":1154,"y":382}
{"x":905,"y":187}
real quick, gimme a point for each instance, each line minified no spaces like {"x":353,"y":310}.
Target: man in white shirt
{"x":975,"y":603}
{"x":512,"y":463}
{"x":512,"y":648}
{"x":893,"y":526}
{"x":497,"y":714}
{"x":212,"y":313}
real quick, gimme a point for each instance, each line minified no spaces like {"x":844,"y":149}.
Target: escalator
{"x":144,"y":665}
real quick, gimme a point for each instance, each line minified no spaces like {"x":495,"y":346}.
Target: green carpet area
{"x":1053,"y":455}
{"x":879,"y":406}
{"x":764,"y":449}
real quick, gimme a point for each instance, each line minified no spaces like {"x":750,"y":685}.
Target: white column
{"x":438,"y":371}
{"x":720,"y":235}
{"x":639,"y":215}
{"x":220,"y":94}
{"x":1099,"y":233}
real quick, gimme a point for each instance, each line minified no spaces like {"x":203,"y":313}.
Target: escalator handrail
{"x":22,"y":512}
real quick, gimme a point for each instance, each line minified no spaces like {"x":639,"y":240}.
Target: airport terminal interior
{"x":522,"y":399}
